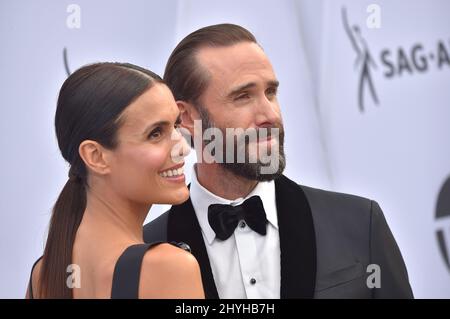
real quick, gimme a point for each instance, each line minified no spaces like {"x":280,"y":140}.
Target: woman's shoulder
{"x":33,"y":284}
{"x":166,"y":253}
{"x":169,"y":271}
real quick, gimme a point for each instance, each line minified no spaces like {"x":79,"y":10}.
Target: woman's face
{"x":144,"y":167}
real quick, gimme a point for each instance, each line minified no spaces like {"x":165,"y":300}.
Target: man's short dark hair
{"x":183,"y":74}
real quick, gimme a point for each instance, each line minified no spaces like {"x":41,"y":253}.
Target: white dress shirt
{"x":246,"y":265}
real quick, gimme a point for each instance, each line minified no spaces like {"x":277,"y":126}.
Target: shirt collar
{"x":201,"y":199}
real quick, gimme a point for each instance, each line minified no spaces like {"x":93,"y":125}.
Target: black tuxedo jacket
{"x":327,"y":242}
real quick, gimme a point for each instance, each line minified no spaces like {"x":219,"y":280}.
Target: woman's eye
{"x":156,"y":133}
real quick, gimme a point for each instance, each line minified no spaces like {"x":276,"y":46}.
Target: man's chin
{"x":255,"y":171}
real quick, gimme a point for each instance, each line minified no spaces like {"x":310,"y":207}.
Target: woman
{"x":116,"y":126}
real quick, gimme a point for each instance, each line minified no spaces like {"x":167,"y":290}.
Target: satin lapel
{"x":297,"y":240}
{"x":183,"y":226}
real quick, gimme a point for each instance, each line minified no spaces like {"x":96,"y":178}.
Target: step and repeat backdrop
{"x":365,"y":97}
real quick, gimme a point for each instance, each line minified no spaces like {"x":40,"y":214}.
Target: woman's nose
{"x":186,"y":148}
{"x":180,"y":148}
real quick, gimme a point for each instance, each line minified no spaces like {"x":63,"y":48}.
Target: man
{"x":261,"y":235}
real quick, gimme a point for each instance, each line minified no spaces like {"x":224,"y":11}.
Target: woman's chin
{"x":176,"y":197}
{"x":182,"y":198}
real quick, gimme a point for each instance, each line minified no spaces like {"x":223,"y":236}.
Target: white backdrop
{"x":395,"y":152}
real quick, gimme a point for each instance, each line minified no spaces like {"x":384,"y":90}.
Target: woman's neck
{"x":111,"y":213}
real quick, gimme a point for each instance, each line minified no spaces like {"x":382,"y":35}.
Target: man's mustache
{"x":262,"y":133}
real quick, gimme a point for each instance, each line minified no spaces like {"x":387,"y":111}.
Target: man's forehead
{"x":234,"y":65}
{"x":230,"y":58}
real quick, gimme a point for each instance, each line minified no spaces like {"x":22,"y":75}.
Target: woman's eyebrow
{"x":155,"y":124}
{"x":162,"y":123}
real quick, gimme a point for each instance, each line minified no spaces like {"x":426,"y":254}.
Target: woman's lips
{"x":174,"y":173}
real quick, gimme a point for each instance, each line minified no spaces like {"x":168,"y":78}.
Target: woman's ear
{"x":95,"y":157}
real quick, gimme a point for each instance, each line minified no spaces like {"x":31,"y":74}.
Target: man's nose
{"x":267,"y":113}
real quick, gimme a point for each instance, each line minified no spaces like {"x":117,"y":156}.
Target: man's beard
{"x":256,"y":169}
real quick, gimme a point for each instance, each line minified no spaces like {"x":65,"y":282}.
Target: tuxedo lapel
{"x":183,"y":226}
{"x":297,"y":240}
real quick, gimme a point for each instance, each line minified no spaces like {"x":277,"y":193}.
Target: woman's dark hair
{"x":90,"y":103}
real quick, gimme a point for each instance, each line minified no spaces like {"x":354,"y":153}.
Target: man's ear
{"x":188,"y":115}
{"x":95,"y":157}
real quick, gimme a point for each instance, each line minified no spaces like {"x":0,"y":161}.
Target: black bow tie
{"x":225,"y":218}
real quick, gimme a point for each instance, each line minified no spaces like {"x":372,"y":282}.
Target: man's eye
{"x":243,"y":96}
{"x":271,"y":92}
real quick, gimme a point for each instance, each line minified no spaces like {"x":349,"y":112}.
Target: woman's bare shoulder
{"x":34,"y":282}
{"x":170,"y":272}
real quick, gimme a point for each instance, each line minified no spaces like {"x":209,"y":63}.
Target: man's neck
{"x":222,"y":182}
